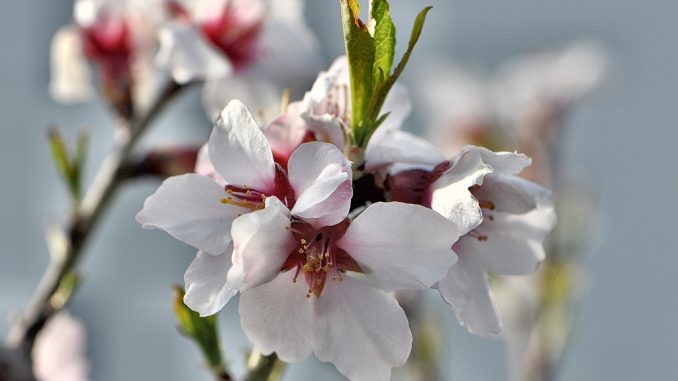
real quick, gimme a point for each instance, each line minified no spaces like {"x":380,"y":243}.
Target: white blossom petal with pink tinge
{"x":206,"y":288}
{"x":361,"y":330}
{"x":400,"y":150}
{"x":467,"y":290}
{"x":450,"y":195}
{"x":203,"y":166}
{"x":71,"y":77}
{"x":187,"y":56}
{"x":316,"y":171}
{"x":507,"y":163}
{"x":512,"y":194}
{"x":260,"y":95}
{"x":286,"y":132}
{"x":189,"y":208}
{"x":262,"y":241}
{"x":401,"y":246}
{"x":277,"y":317}
{"x":514,"y":244}
{"x":239,"y":150}
{"x":59,"y":350}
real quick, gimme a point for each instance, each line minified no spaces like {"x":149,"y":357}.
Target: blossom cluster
{"x":252,"y":48}
{"x":316,"y":244}
{"x":319,"y":211}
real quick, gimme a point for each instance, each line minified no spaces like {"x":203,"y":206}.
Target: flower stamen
{"x":480,"y":237}
{"x":489,"y":205}
{"x":244,"y":197}
{"x":318,"y":256}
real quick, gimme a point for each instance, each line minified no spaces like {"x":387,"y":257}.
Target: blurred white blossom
{"x":59,"y":350}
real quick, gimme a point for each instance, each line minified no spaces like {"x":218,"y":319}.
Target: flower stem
{"x":264,"y":368}
{"x":67,"y":246}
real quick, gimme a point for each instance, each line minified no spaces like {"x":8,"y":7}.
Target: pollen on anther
{"x":487,"y":205}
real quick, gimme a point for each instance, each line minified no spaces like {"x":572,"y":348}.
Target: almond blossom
{"x":324,"y":289}
{"x":249,"y":49}
{"x":117,"y":38}
{"x":503,"y":218}
{"x":200,"y":210}
{"x":517,"y":217}
{"x":324,"y":115}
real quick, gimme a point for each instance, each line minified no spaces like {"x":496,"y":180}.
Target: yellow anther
{"x":487,"y":205}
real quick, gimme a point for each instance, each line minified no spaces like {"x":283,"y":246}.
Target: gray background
{"x":624,"y":137}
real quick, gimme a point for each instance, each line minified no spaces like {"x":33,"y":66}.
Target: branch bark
{"x":67,"y":248}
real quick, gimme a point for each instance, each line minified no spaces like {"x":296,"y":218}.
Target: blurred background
{"x":622,"y":138}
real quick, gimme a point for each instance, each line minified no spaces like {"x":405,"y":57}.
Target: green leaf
{"x":370,"y":59}
{"x":80,"y":158}
{"x":69,"y":166}
{"x":380,"y":93}
{"x":414,"y":37}
{"x":202,"y":330}
{"x":360,"y":51}
{"x":62,"y":161}
{"x":384,"y":40}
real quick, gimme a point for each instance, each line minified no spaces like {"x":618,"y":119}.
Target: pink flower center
{"x":317,"y":256}
{"x":282,"y":157}
{"x":235,"y":34}
{"x":413,"y":186}
{"x":108,"y":44}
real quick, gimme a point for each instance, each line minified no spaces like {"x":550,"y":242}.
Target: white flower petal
{"x":467,"y":290}
{"x":508,"y":163}
{"x":328,"y":102}
{"x":401,"y":246}
{"x":333,"y":209}
{"x":326,"y":128}
{"x":239,"y":150}
{"x":450,"y":195}
{"x":316,"y":171}
{"x":262,"y":241}
{"x":277,"y":317}
{"x":203,"y":166}
{"x":401,"y":149}
{"x":362,"y":330}
{"x":455,"y":287}
{"x":287,"y":131}
{"x":188,"y":56}
{"x":59,"y":350}
{"x":260,"y":95}
{"x":189,"y":208}
{"x":514,"y":244}
{"x":289,"y":48}
{"x":511,"y":194}
{"x":206,"y":288}
{"x":71,"y":78}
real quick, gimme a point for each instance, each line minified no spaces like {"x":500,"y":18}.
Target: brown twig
{"x":67,"y":246}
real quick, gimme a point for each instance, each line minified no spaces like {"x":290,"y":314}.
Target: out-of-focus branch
{"x":66,"y":244}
